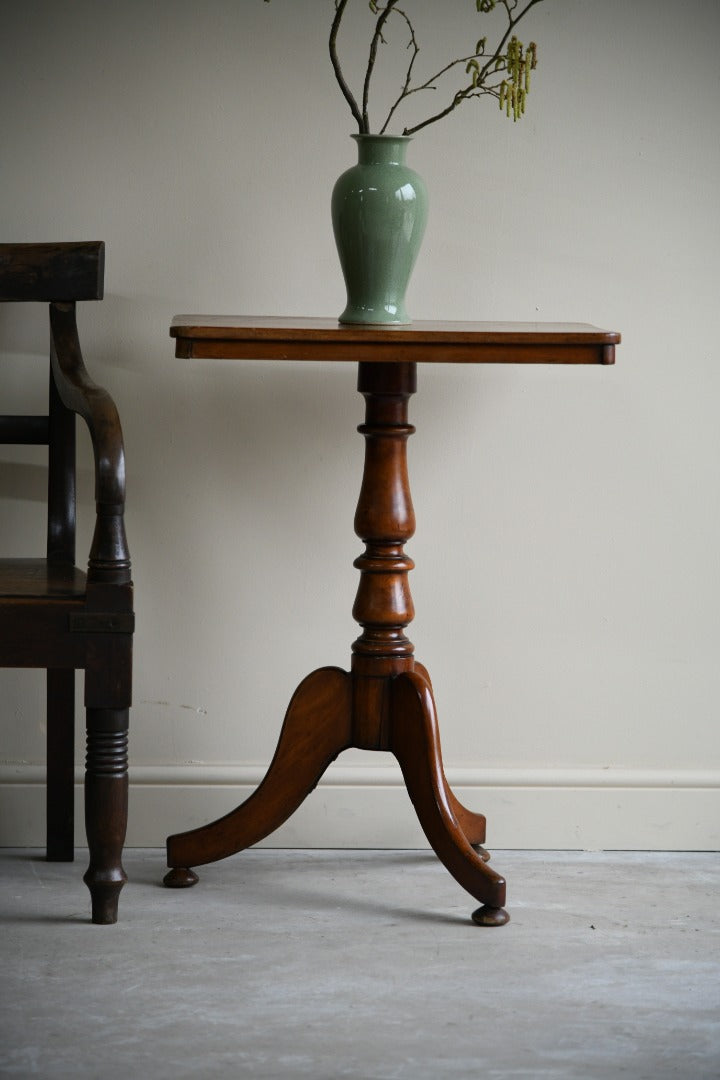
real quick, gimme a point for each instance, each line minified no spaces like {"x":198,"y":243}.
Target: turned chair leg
{"x":106,"y":807}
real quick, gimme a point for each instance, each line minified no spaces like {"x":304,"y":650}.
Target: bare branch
{"x":340,"y":6}
{"x":377,"y":38}
{"x":412,"y":44}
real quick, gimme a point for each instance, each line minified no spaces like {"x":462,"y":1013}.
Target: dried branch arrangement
{"x":501,"y":72}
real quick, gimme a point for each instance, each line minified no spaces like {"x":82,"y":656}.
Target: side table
{"x":385,"y":701}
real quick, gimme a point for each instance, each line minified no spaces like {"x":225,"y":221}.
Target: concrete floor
{"x":364,"y":964}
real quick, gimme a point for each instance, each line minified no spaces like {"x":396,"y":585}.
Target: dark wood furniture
{"x":54,"y":615}
{"x":385,"y":702}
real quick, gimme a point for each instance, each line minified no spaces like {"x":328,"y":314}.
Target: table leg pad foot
{"x":180,"y":877}
{"x":490,"y":916}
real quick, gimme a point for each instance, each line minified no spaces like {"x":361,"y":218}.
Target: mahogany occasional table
{"x":385,"y":702}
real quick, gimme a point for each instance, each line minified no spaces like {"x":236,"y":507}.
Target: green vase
{"x":379,"y":212}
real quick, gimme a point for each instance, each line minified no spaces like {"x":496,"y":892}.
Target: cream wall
{"x":568,"y":576}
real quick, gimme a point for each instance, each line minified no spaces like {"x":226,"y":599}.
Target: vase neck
{"x":381,"y":149}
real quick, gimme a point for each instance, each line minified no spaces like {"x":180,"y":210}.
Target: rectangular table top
{"x":296,"y":338}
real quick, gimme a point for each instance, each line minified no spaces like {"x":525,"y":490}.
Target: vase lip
{"x":359,"y":135}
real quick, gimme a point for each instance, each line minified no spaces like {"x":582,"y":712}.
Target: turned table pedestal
{"x":385,"y":701}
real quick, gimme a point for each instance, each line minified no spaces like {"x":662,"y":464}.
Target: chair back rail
{"x":24,"y":430}
{"x":52,"y":272}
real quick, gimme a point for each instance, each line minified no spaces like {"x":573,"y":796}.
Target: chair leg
{"x":106,"y":807}
{"x":60,"y":764}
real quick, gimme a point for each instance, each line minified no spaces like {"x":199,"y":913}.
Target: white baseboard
{"x":364,"y":807}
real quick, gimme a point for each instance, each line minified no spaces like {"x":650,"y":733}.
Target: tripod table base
{"x":318,"y":726}
{"x":385,"y":702}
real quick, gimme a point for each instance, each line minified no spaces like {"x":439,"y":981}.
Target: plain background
{"x":568,"y":539}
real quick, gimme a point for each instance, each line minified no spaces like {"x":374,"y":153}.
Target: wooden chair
{"x":52,"y":614}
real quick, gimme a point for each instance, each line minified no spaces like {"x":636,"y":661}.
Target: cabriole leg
{"x":472,"y":824}
{"x":415,"y":741}
{"x":316,"y":730}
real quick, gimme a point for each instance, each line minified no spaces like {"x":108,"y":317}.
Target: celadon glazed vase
{"x":379,"y":213}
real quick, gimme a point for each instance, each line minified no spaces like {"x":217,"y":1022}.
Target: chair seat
{"x":39,"y":579}
{"x":37,"y":601}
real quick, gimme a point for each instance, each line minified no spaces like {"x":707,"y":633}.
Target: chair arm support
{"x":109,"y":556}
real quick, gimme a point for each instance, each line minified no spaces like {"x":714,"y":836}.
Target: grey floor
{"x":365,"y":965}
